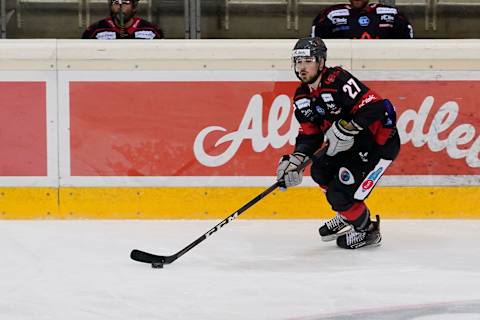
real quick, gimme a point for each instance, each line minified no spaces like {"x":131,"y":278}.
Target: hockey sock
{"x":357,"y":215}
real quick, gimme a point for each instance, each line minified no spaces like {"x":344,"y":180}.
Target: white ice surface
{"x":425,"y":270}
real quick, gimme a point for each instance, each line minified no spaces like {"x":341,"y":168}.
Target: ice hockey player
{"x":123,"y":24}
{"x":360,"y":129}
{"x":361,"y":20}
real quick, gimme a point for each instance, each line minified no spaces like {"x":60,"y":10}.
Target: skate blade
{"x":334,"y":236}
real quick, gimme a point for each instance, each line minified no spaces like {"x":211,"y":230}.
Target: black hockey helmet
{"x":310,"y":47}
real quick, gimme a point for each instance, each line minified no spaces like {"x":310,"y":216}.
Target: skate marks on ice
{"x":459,"y":310}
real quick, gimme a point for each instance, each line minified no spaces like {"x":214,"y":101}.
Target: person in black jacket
{"x":123,"y":24}
{"x":361,"y":20}
{"x":359,"y":128}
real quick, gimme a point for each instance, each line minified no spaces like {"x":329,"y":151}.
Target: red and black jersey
{"x":106,"y":29}
{"x":375,"y":21}
{"x":340,"y":96}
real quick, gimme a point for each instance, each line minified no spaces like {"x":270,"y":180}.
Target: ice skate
{"x":334,"y":228}
{"x":355,"y":239}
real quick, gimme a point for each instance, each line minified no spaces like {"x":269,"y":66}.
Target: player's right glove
{"x":339,"y":138}
{"x":287,"y":173}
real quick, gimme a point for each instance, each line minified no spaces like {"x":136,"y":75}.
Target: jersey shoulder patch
{"x":106,"y":35}
{"x":145,"y":34}
{"x":302,"y":103}
{"x":338,"y":13}
{"x":386,"y":10}
{"x":336,"y":10}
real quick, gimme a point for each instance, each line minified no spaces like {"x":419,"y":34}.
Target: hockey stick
{"x":158,"y":261}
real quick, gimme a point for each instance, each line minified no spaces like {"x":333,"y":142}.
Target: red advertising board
{"x":240,"y":128}
{"x":23,"y":129}
{"x":438,"y":123}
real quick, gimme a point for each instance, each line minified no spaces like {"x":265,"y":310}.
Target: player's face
{"x":306,"y":68}
{"x":358,"y":4}
{"x":126,"y":7}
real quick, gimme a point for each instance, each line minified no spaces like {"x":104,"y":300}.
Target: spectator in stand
{"x":123,"y":24}
{"x":361,"y":20}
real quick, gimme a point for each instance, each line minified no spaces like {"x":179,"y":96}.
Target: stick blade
{"x":142,"y":256}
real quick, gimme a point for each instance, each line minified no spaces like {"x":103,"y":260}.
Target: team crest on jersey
{"x":363,"y":21}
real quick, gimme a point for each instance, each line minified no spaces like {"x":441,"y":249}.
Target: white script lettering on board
{"x":421,"y":133}
{"x":412,"y":126}
{"x":250,"y":128}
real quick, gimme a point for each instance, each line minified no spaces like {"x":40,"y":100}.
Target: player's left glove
{"x":287,"y":173}
{"x":339,"y":138}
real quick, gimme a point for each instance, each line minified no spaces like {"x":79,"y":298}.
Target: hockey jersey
{"x":106,"y":29}
{"x":340,"y":96}
{"x":375,"y":21}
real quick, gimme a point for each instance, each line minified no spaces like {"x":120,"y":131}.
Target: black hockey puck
{"x":157,"y":265}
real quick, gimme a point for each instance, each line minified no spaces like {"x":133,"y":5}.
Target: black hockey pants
{"x":350,"y":176}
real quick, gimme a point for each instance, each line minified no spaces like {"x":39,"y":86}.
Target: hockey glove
{"x":339,"y":138}
{"x":287,"y":173}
